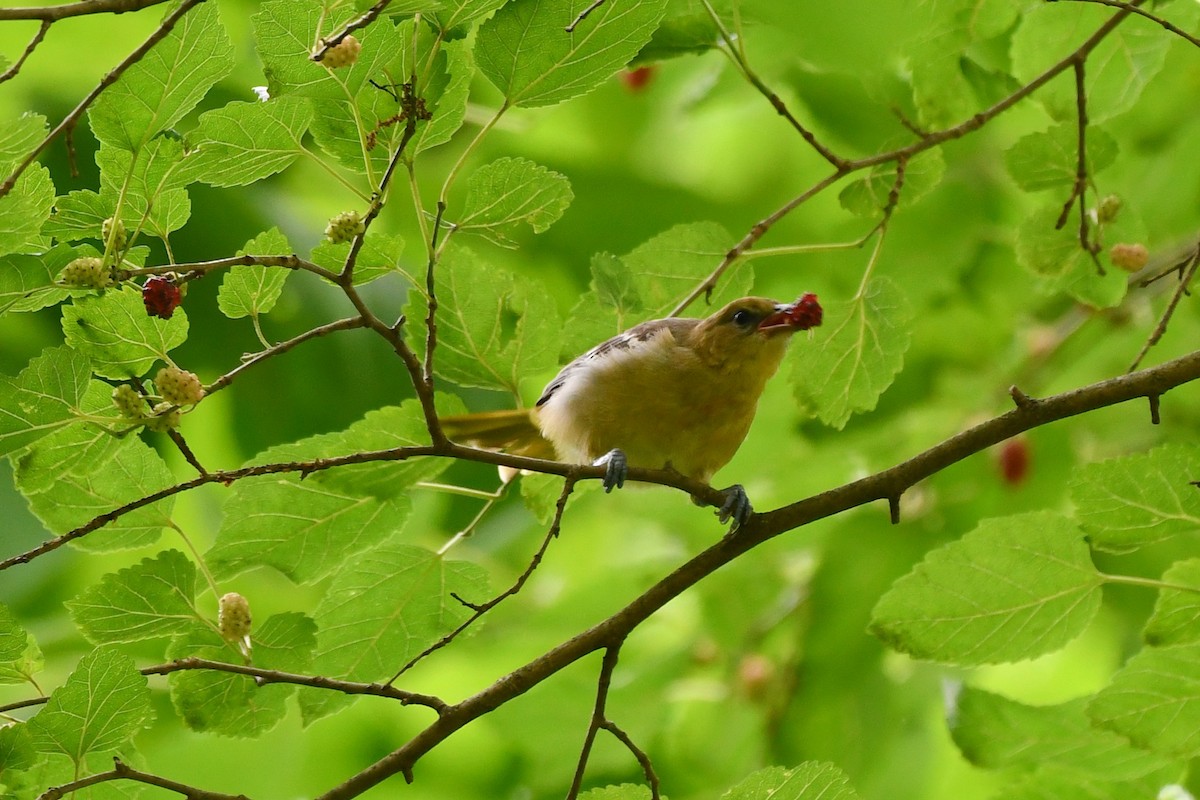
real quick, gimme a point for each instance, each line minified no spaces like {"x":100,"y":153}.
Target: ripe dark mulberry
{"x":161,"y":296}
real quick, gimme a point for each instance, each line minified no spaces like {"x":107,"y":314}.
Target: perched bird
{"x":668,"y":393}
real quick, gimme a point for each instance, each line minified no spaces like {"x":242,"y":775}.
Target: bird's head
{"x":752,"y":333}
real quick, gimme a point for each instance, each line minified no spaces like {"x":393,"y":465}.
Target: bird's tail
{"x":511,"y":432}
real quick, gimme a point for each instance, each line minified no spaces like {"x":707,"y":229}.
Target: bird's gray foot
{"x":616,"y":469}
{"x":736,"y":506}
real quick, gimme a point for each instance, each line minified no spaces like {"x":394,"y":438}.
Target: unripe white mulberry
{"x":129,"y":402}
{"x":344,"y":227}
{"x":166,"y":417}
{"x":178,"y":387}
{"x":343,"y":54}
{"x":1129,"y":257}
{"x":234,"y":617}
{"x":88,"y":272}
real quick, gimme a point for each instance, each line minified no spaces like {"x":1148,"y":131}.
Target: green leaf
{"x":385,"y":429}
{"x":995,"y":732}
{"x":1056,"y":256}
{"x":1014,"y":588}
{"x":246,"y":142}
{"x":20,"y":656}
{"x":1048,"y":159}
{"x":27,"y":281}
{"x":494,"y":327}
{"x":168,"y":82}
{"x":1176,"y":617}
{"x":25,"y":209}
{"x":285,"y":33}
{"x":234,"y":705}
{"x":857,"y":353}
{"x":626,"y":791}
{"x":1136,"y":500}
{"x":1118,"y":70}
{"x":28,"y":204}
{"x":678,"y":35}
{"x":1154,"y":701}
{"x":147,"y":186}
{"x":387,"y":605}
{"x":79,"y":449}
{"x":43,"y":398}
{"x":649,"y":281}
{"x":250,"y":290}
{"x":455,"y":13}
{"x":510,"y":191}
{"x":450,"y":110}
{"x":134,"y":472}
{"x":526,"y":53}
{"x":103,"y":703}
{"x":811,"y":780}
{"x":303,"y":529}
{"x":379,"y":255}
{"x":116,"y":333}
{"x":16,"y":754}
{"x":867,"y":197}
{"x":154,"y":599}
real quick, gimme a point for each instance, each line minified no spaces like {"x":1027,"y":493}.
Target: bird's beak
{"x":801,"y":315}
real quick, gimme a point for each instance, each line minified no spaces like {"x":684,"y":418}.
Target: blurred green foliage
{"x":636,"y":189}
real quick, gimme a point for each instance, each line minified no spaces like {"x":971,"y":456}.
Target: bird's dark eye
{"x":742,"y":318}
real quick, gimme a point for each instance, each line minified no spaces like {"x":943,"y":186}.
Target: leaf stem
{"x":1149,"y":583}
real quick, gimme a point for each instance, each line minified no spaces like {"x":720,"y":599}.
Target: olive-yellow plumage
{"x":678,"y":393}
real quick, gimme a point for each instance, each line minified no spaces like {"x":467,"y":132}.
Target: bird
{"x":673,"y":393}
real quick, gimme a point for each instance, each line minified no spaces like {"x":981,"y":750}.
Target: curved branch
{"x":81,"y":8}
{"x":890,"y":483}
{"x":123,"y":772}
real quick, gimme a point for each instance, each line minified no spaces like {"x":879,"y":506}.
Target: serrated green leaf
{"x":25,"y":209}
{"x":1048,"y":159}
{"x":507,"y":192}
{"x":80,"y":448}
{"x":135,"y":471}
{"x":20,"y":656}
{"x":856,"y":354}
{"x":625,"y":791}
{"x":103,"y":703}
{"x":494,"y":327}
{"x":27,"y":281}
{"x":1118,"y":70}
{"x":450,"y":110}
{"x":114,"y":331}
{"x":79,"y":215}
{"x":387,"y":605}
{"x":526,"y":53}
{"x":303,"y":529}
{"x":867,"y":197}
{"x":285,"y":33}
{"x":1176,"y":617}
{"x":234,"y":705}
{"x":18,"y":137}
{"x":379,"y":255}
{"x":1154,"y":701}
{"x":166,"y":83}
{"x":250,"y":290}
{"x":16,"y":753}
{"x":1014,"y":588}
{"x":995,"y":732}
{"x":154,"y":599}
{"x":811,"y":780}
{"x":147,"y":186}
{"x":678,"y":35}
{"x":245,"y":142}
{"x":43,"y":398}
{"x":1136,"y":500}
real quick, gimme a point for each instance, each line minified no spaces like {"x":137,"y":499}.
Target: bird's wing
{"x":627,"y":343}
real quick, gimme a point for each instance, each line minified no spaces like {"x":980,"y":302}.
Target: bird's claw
{"x":616,"y":469}
{"x":736,"y":506}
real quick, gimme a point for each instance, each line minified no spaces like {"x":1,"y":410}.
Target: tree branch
{"x":123,"y":772}
{"x":12,"y":71}
{"x":69,"y":121}
{"x":81,"y":8}
{"x":761,"y":528}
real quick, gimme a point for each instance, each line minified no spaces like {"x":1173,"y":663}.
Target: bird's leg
{"x":616,"y":468}
{"x":736,"y":506}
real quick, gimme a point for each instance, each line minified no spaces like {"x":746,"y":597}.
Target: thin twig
{"x":1186,"y":273}
{"x":479,"y":610}
{"x":582,"y":15}
{"x":324,"y":330}
{"x":123,"y":772}
{"x":55,"y":13}
{"x":1079,"y":187}
{"x":12,"y":71}
{"x":68,"y":122}
{"x":1133,"y":9}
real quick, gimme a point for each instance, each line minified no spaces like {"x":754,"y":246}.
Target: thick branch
{"x":55,"y":13}
{"x":890,"y":483}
